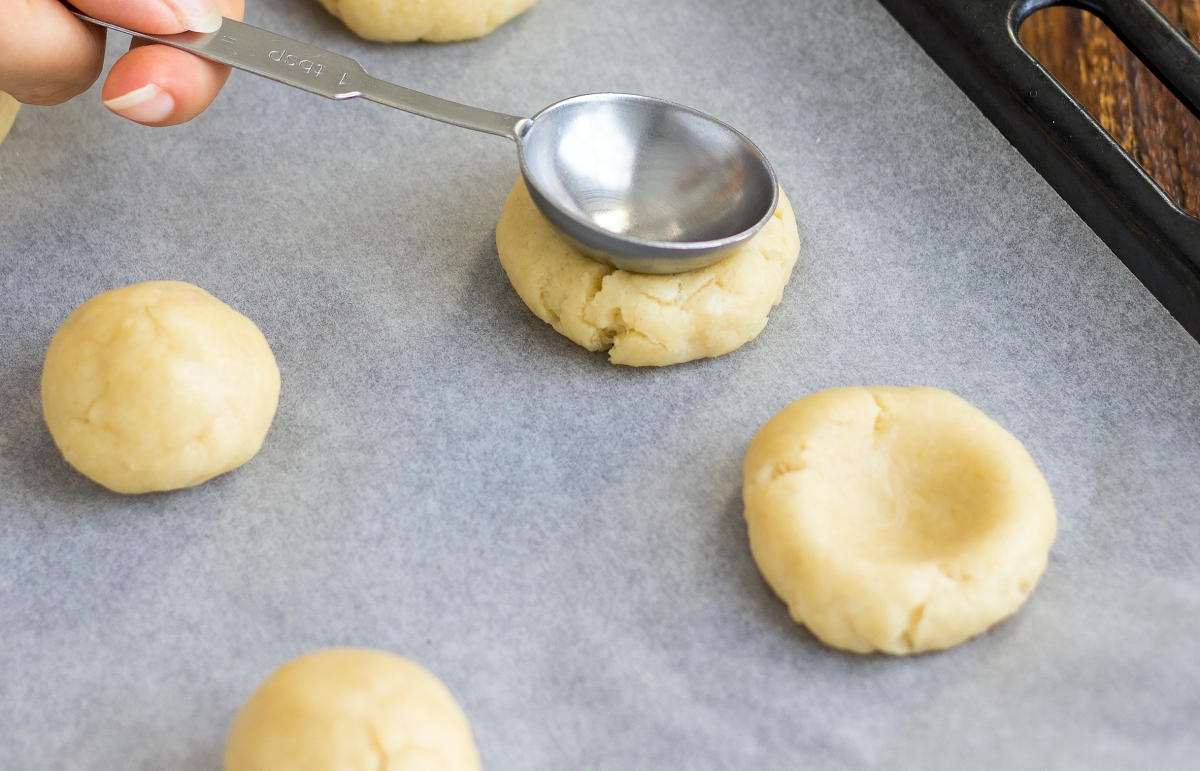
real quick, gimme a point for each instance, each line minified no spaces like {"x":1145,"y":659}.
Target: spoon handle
{"x":319,"y":72}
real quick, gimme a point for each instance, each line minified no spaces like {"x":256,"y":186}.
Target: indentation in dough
{"x":916,"y":523}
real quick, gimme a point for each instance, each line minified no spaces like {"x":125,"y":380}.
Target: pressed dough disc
{"x":895,"y":519}
{"x":644,"y":320}
{"x":433,"y":20}
{"x":351,"y":709}
{"x":8,"y":113}
{"x":158,"y":386}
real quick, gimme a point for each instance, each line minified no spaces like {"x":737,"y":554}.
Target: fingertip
{"x":149,"y":105}
{"x":160,"y":86}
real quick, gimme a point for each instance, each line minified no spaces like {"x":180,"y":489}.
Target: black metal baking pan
{"x":976,"y":43}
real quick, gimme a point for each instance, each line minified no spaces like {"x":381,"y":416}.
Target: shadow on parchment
{"x":210,"y":758}
{"x":773,"y":614}
{"x":38,"y":476}
{"x":27,"y":452}
{"x":753,"y":590}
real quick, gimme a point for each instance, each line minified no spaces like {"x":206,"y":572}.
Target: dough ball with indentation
{"x":644,"y":320}
{"x":8,"y":113}
{"x":895,"y":519}
{"x":351,"y":709}
{"x":158,"y":386}
{"x":433,"y":20}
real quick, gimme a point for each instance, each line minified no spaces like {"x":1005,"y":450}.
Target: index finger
{"x":158,"y":17}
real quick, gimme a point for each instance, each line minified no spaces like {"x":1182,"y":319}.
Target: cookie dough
{"x":351,"y":709}
{"x":8,"y":113}
{"x":433,"y":20}
{"x":644,"y":320}
{"x":158,"y":386}
{"x":895,"y":519}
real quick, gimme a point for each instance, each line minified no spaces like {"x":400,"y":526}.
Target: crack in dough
{"x":910,"y":633}
{"x":381,"y":756}
{"x":644,"y":320}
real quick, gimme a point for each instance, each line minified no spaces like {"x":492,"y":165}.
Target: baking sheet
{"x":559,"y":539}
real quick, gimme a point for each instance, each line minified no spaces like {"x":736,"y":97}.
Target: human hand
{"x":47,"y":56}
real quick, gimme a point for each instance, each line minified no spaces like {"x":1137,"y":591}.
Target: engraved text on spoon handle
{"x":318,"y":71}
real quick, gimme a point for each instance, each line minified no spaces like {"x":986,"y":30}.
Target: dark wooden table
{"x":1105,"y":76}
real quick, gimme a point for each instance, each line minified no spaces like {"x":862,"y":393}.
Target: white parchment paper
{"x":559,"y":539}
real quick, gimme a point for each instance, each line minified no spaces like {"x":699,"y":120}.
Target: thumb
{"x":158,"y":17}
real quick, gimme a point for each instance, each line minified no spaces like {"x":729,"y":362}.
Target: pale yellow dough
{"x":158,"y":386}
{"x":644,"y":320}
{"x":351,"y":709}
{"x":8,"y":113}
{"x":895,"y":519}
{"x":433,"y":20}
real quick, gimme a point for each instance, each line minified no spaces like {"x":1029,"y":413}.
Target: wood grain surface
{"x":1110,"y":81}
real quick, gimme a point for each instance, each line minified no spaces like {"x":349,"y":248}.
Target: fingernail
{"x":197,"y":15}
{"x":148,"y":104}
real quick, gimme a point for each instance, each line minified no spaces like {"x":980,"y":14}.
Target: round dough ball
{"x":895,"y":519}
{"x":350,"y":709}
{"x":158,"y":386}
{"x":644,"y":320}
{"x":8,"y":113}
{"x":433,"y":20}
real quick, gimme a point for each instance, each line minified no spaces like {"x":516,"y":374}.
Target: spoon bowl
{"x":643,"y":184}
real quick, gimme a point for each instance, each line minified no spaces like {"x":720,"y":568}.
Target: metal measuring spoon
{"x":639,"y":183}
